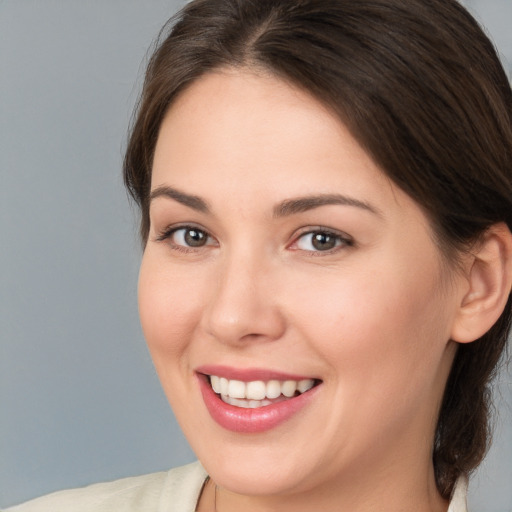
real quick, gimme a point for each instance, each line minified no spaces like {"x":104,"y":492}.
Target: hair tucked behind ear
{"x":420,"y":87}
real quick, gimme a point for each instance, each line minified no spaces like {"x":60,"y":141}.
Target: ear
{"x":490,"y":281}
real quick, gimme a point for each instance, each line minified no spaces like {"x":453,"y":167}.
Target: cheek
{"x":384,"y":354}
{"x":383,"y":330}
{"x":169,"y":307}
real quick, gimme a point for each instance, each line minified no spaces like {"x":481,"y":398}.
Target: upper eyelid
{"x":321,"y":229}
{"x":171,"y":228}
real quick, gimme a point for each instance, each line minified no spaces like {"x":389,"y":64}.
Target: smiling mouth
{"x":258,"y":393}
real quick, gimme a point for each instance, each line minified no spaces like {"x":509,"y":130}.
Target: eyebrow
{"x":194,"y":202}
{"x":303,"y":204}
{"x":283,"y":209}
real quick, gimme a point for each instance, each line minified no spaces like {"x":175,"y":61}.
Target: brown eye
{"x":189,"y":237}
{"x":322,"y":241}
{"x":195,"y":237}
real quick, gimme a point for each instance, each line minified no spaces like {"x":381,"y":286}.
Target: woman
{"x":326,"y":199}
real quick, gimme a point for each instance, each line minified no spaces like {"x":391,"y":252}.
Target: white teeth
{"x":273,"y":389}
{"x":257,"y":391}
{"x":245,"y":404}
{"x":288,"y":388}
{"x":215,"y":382}
{"x":224,"y":386}
{"x":236,"y":389}
{"x":305,"y":385}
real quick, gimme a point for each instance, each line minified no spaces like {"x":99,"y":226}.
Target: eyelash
{"x":342,"y":239}
{"x":169,"y":232}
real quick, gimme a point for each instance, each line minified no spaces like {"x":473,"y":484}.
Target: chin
{"x":255,"y":478}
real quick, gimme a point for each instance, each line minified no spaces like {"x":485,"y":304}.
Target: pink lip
{"x":261,"y":419}
{"x":247,"y":374}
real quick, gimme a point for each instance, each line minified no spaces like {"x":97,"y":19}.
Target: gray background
{"x":79,"y":399}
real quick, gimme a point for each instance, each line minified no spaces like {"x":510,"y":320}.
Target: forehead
{"x":232,"y":105}
{"x":248,"y":141}
{"x":234,"y":120}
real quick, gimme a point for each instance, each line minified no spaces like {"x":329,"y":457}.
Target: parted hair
{"x":420,"y":87}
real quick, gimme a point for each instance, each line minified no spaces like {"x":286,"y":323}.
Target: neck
{"x":386,"y":491}
{"x":227,"y":501}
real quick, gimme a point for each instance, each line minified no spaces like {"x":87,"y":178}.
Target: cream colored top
{"x":176,"y":490}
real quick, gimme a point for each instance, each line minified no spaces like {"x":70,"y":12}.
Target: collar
{"x":458,"y":502}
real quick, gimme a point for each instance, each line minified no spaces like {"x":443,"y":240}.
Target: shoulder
{"x":174,"y":490}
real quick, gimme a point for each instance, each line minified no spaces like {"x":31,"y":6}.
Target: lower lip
{"x":260,"y":419}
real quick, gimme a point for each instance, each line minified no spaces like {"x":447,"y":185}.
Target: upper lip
{"x":249,"y":374}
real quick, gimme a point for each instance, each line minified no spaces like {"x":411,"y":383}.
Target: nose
{"x":243,"y":305}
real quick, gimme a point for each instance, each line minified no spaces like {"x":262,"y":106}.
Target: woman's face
{"x":279,"y":252}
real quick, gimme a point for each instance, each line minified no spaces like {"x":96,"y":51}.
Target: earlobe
{"x":490,"y":282}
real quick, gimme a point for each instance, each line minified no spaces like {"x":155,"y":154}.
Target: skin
{"x":372,"y":318}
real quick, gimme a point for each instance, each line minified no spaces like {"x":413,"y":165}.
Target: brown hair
{"x":422,"y":90}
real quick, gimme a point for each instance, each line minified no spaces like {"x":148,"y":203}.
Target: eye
{"x":186,"y":237}
{"x":321,"y":241}
{"x":189,"y":237}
